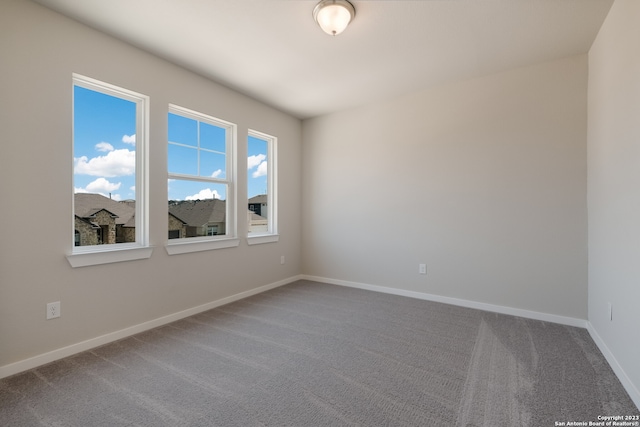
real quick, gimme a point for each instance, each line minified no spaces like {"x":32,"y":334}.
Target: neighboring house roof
{"x":179,"y":219}
{"x":256,"y":217}
{"x":87,"y":204}
{"x":131,"y":223}
{"x":199,"y":212}
{"x":92,"y":213}
{"x":191,"y":212}
{"x":260,"y":198}
{"x":91,"y":224}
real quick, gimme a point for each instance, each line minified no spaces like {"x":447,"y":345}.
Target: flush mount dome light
{"x":333,"y":16}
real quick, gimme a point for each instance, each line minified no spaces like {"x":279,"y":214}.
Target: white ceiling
{"x":273,"y":51}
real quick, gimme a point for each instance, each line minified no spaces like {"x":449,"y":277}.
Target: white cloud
{"x":132,"y":188}
{"x":207,"y":193}
{"x":101,"y":186}
{"x":253,"y":161}
{"x":115,"y":163}
{"x":104,"y":146}
{"x":261,"y":171}
{"x":129,"y":139}
{"x":216,"y":173}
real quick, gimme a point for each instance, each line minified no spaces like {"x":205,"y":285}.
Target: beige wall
{"x":482,"y":180}
{"x":614,"y":187}
{"x":40,"y":50}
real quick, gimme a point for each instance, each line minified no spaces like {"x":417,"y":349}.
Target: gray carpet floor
{"x":311,"y":354}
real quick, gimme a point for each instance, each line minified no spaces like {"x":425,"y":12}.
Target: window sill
{"x":263,"y":238}
{"x":200,"y":245}
{"x":100,"y":255}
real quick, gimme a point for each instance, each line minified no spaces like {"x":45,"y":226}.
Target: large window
{"x":261,"y":188}
{"x":201,"y":187}
{"x":109,"y":169}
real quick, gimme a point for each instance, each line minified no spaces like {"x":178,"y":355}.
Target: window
{"x":201,"y":187}
{"x":109,"y":173}
{"x":261,"y":188}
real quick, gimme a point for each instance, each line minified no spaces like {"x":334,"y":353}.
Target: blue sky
{"x":104,"y":151}
{"x":256,"y":166}
{"x":104,"y":130}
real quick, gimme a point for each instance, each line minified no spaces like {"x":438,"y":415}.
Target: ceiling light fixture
{"x":333,"y":16}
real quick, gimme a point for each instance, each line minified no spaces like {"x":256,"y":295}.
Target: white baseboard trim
{"x":628,"y":385}
{"x":51,"y":356}
{"x":563,"y":320}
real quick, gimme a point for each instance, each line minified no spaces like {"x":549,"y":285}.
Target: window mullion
{"x":197,"y":178}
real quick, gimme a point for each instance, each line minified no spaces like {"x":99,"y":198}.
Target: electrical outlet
{"x":282,"y":260}
{"x":610,"y":312}
{"x":422,"y":268}
{"x":53,"y":310}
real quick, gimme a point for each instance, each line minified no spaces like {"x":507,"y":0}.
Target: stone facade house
{"x":177,"y":227}
{"x":200,"y":217}
{"x":102,"y":221}
{"x":86,"y":232}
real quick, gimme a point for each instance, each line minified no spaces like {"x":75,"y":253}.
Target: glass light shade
{"x":333,"y":16}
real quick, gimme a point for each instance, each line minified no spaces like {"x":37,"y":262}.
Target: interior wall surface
{"x":484,"y":181}
{"x":613,"y":191}
{"x":40,"y":50}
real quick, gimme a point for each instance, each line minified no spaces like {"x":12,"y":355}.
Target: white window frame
{"x":271,"y":235}
{"x":230,"y":238}
{"x":82,"y":256}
